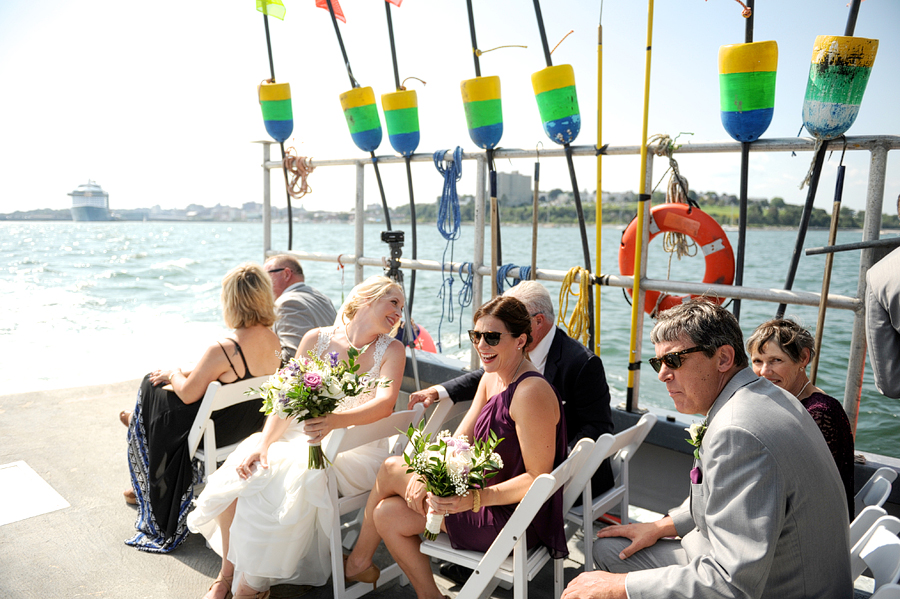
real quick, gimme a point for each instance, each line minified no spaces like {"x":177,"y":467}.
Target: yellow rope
{"x":579,"y":324}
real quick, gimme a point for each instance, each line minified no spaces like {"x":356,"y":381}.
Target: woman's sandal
{"x":125,"y":417}
{"x":226,"y":580}
{"x":369,"y":575}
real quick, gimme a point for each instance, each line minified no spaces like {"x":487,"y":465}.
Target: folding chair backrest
{"x":858,"y":563}
{"x":887,"y":591}
{"x":581,"y":479}
{"x":863,"y":522}
{"x":351,"y":437}
{"x":218,"y":397}
{"x":881,"y":554}
{"x":876,"y":490}
{"x":444,"y":410}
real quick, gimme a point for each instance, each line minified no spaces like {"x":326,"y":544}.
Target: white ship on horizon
{"x":90,"y":202}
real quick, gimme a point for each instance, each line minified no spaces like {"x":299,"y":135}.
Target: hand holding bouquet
{"x":312,"y":387}
{"x":450,"y":466}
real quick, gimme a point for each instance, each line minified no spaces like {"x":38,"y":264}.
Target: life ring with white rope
{"x":696,"y":224}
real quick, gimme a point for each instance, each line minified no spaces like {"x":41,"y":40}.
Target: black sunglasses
{"x":492,"y":338}
{"x":673,"y":359}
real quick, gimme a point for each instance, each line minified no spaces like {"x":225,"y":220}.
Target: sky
{"x":157,"y":101}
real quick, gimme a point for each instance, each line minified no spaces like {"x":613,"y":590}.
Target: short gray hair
{"x":535,"y":297}
{"x":706,"y":324}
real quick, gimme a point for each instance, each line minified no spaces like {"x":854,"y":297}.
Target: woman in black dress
{"x":162,"y":475}
{"x":780,"y":349}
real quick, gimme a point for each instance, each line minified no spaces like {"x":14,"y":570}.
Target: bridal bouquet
{"x":450,"y":466}
{"x":311,"y":387}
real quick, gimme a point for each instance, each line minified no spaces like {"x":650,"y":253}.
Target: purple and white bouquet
{"x":450,"y":466}
{"x":312,"y":387}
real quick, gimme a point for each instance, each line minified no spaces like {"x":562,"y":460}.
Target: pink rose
{"x":312,"y":380}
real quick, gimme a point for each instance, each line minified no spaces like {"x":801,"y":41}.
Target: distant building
{"x":514,"y":189}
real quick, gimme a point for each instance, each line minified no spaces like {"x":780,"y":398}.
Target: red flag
{"x":335,"y":5}
{"x":395,"y":2}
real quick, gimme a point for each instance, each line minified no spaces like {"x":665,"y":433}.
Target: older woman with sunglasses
{"x":780,"y":349}
{"x":516,"y":403}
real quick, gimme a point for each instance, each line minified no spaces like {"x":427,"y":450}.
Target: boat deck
{"x":72,"y":439}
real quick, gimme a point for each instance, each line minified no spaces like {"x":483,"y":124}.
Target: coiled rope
{"x":579,"y":323}
{"x":466,"y":293}
{"x":504,"y":280}
{"x":299,"y":169}
{"x":448,"y":224}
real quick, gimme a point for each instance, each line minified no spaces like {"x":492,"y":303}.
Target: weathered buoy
{"x":361,"y":113}
{"x":278,"y":116}
{"x":837,"y":80}
{"x":401,"y":115}
{"x":554,"y":90}
{"x":484,"y":114}
{"x":747,"y":88}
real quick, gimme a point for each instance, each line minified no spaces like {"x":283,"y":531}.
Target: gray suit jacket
{"x":769,"y":517}
{"x":298,"y":309}
{"x":883,"y":323}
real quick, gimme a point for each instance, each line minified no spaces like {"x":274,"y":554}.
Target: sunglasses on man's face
{"x":673,"y":359}
{"x":492,"y":338}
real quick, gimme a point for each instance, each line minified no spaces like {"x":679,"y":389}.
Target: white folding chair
{"x":887,"y":591}
{"x":623,"y":449}
{"x":863,"y":522}
{"x":393,"y":427}
{"x":876,"y":490}
{"x":444,"y":411}
{"x":217,"y":397}
{"x":858,"y":565}
{"x":508,"y":559}
{"x":881,"y":552}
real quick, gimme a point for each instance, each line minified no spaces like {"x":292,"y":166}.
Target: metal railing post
{"x":267,"y":202}
{"x":478,"y":253}
{"x":359,"y":222}
{"x":871,"y":231}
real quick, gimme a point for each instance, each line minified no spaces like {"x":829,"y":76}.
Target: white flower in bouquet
{"x":450,"y":466}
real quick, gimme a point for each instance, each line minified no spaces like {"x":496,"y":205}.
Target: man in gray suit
{"x":883,"y":323}
{"x":766,"y":515}
{"x":298,"y":307}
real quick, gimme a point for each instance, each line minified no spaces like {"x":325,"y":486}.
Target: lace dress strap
{"x":323,"y":340}
{"x":381,"y":345}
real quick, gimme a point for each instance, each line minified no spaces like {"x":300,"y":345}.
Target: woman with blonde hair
{"x":264,"y":511}
{"x":168,"y":400}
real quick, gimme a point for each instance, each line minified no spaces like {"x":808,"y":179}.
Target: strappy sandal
{"x":125,"y":417}
{"x":226,"y":580}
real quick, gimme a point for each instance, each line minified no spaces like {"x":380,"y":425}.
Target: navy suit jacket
{"x":578,"y":376}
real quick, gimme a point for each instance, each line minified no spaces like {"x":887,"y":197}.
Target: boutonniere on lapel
{"x":696,"y":430}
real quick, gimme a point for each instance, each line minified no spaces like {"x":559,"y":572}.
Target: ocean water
{"x":93,"y":303}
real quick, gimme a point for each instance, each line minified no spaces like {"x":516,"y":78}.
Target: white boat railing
{"x":878,"y":147}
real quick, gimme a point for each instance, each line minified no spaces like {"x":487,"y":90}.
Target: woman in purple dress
{"x":780,"y":349}
{"x":516,"y":403}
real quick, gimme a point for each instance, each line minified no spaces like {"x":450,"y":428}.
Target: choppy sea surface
{"x":91,"y":303}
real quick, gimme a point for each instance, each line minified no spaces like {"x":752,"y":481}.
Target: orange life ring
{"x":696,"y":224}
{"x":424,"y":341}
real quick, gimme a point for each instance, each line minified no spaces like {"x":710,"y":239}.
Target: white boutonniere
{"x":696,"y":430}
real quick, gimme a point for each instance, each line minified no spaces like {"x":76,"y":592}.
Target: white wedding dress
{"x":282,"y":524}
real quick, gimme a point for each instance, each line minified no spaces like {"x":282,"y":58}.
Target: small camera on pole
{"x":394,"y":239}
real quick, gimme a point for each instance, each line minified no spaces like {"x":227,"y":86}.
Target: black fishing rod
{"x":575,"y":191}
{"x":472,"y":35}
{"x":354,"y":84}
{"x":745,"y":168}
{"x":813,"y":182}
{"x":407,"y":158}
{"x":287,"y":185}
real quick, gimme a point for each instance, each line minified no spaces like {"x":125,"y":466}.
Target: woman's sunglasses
{"x":673,"y":360}
{"x":492,"y":338}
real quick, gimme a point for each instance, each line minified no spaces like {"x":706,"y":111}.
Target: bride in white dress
{"x":263,"y":511}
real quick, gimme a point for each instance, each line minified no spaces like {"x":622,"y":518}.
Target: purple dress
{"x":476,"y":531}
{"x":832,"y":420}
